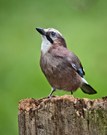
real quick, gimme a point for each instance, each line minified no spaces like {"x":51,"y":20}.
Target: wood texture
{"x":63,"y":115}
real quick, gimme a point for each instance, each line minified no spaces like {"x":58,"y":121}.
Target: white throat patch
{"x":45,"y":46}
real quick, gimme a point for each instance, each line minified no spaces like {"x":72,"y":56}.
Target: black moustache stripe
{"x":50,"y":39}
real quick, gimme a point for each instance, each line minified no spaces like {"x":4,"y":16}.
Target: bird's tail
{"x":86,"y":88}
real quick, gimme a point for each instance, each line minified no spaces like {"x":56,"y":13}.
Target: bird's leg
{"x":72,"y":93}
{"x":52,"y":91}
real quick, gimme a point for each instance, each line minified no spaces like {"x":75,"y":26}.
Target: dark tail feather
{"x":86,"y":88}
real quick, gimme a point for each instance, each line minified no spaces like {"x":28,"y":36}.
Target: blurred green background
{"x":84,"y":26}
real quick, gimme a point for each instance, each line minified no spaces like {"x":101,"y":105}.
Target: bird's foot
{"x":52,"y":91}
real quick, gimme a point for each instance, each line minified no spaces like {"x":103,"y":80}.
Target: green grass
{"x":85,"y":30}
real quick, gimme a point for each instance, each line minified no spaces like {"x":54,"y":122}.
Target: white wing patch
{"x":84,"y":81}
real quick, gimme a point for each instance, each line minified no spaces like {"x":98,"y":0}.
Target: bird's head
{"x":50,"y":37}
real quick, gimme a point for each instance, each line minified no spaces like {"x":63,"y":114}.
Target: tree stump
{"x":64,"y":115}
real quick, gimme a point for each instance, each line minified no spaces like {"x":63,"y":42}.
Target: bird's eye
{"x":53,"y":34}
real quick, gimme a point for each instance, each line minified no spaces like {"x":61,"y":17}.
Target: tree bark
{"x":63,"y":115}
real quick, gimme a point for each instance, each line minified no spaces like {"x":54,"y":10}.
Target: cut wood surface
{"x":64,"y":115}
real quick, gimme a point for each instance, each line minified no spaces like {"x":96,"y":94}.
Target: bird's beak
{"x":41,"y":31}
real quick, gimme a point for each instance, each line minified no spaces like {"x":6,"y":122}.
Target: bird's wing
{"x":75,"y":63}
{"x":70,"y":58}
{"x":78,"y":69}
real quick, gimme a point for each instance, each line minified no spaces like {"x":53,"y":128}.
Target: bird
{"x":61,"y":67}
